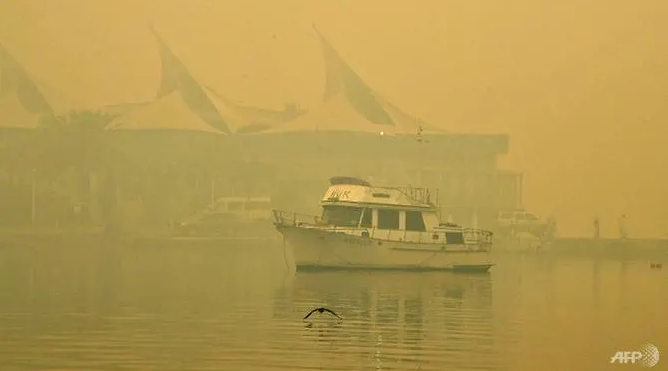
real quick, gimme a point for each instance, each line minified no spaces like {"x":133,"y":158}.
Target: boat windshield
{"x":341,"y":216}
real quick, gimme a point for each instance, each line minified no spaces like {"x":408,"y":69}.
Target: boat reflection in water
{"x":401,"y":320}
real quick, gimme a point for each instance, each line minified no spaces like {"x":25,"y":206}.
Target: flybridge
{"x":338,"y":180}
{"x":420,"y":194}
{"x":351,"y":189}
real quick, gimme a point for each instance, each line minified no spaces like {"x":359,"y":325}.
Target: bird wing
{"x":309,"y":313}
{"x":332,"y":312}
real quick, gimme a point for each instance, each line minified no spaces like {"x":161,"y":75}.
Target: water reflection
{"x":95,"y":308}
{"x":234,"y":307}
{"x":419,"y":319}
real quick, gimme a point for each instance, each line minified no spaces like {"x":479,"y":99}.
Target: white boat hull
{"x":314,"y":248}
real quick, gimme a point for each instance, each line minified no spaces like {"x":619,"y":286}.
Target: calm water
{"x":236,"y":308}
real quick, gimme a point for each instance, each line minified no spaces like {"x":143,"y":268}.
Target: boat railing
{"x":289,"y":218}
{"x":421,"y":194}
{"x":476,"y":235}
{"x":471,"y":236}
{"x":292,"y":219}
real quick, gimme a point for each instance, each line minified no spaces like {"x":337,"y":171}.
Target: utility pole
{"x":33,"y":198}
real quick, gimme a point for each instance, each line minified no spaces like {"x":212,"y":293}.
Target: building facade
{"x":460,"y":169}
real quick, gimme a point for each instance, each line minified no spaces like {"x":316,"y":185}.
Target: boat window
{"x":341,"y":216}
{"x":235,"y":205}
{"x":388,"y":219}
{"x":257,"y":205}
{"x":530,"y":216}
{"x":367,"y":218}
{"x":454,"y":238}
{"x":380,"y":195}
{"x":414,"y":221}
{"x":506,"y":215}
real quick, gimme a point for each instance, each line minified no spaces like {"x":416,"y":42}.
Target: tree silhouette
{"x":70,"y":155}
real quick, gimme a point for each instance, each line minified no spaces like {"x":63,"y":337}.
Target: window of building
{"x":367,"y":218}
{"x":414,"y":221}
{"x":388,"y":219}
{"x":341,"y":216}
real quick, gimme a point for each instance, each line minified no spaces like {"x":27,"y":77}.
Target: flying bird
{"x":321,"y":310}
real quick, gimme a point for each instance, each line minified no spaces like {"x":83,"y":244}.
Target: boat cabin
{"x":378,"y":217}
{"x":392,"y":213}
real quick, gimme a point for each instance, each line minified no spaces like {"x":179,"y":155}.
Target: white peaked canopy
{"x":241,"y":118}
{"x":63,"y":104}
{"x":22,"y":102}
{"x":167,"y":113}
{"x":336,"y":114}
{"x":408,"y":123}
{"x":350,"y":105}
{"x":13,"y":115}
{"x":233,"y":119}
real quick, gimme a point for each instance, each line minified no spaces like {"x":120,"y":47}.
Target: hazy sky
{"x":581,"y":86}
